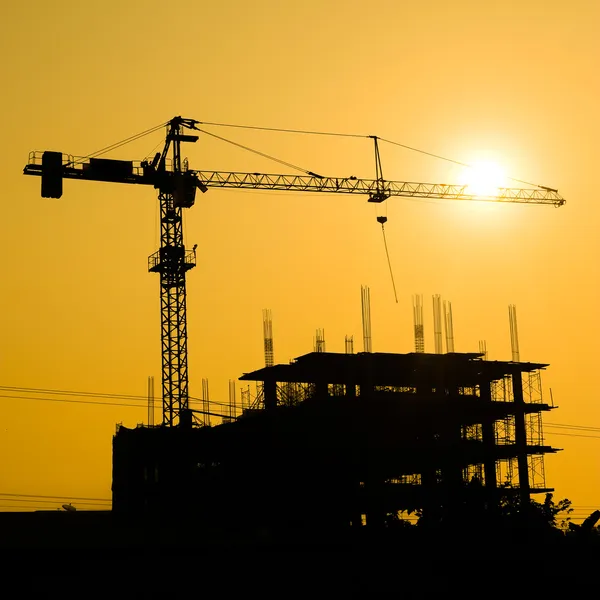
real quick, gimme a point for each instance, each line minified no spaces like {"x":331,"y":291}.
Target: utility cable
{"x":283,"y":162}
{"x":29,"y":500}
{"x":195,"y":399}
{"x":74,"y":401}
{"x":191,"y":399}
{"x":97,"y":403}
{"x":70,"y":392}
{"x":29,"y":509}
{"x":549,"y":433}
{"x":565,"y":426}
{"x":79,"y":393}
{"x":65,"y":497}
{"x":69,"y":401}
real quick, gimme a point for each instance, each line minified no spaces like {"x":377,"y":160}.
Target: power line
{"x":69,"y":401}
{"x":74,"y":401}
{"x":65,"y":497}
{"x":573,"y":434}
{"x":72,"y":392}
{"x":192,"y":399}
{"x":28,"y":508}
{"x":52,"y":501}
{"x":567,"y":426}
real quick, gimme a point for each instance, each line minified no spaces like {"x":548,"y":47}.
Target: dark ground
{"x":88,"y":554}
{"x":88,"y":531}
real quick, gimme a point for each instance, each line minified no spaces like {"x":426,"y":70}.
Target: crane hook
{"x":382,"y":220}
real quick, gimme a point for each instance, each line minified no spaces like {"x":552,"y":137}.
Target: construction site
{"x":347,"y":439}
{"x":329,"y":440}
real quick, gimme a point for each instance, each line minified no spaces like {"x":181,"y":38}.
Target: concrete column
{"x":489,"y":442}
{"x":521,"y":437}
{"x":365,"y":385}
{"x":322,"y":389}
{"x":270,"y":392}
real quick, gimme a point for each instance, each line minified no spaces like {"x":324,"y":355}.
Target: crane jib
{"x":54,"y":166}
{"x":377,"y":190}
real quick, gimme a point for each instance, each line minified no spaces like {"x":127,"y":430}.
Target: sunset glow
{"x":483,"y":178}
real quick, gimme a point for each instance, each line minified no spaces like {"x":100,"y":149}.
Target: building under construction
{"x":347,"y":439}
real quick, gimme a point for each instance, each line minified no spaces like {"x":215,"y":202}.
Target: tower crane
{"x":177,"y":185}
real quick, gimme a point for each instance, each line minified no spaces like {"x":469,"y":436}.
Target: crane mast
{"x":177,"y":186}
{"x":172,"y":262}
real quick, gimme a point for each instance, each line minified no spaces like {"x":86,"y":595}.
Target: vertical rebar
{"x":449,"y":326}
{"x":268,"y":338}
{"x":418,"y":319}
{"x":232,"y":409}
{"x":514,"y":335}
{"x":483,"y":349}
{"x":151,"y":401}
{"x":205,"y":402}
{"x":437,"y":323}
{"x":349,"y":344}
{"x":366,"y":318}
{"x":319,"y":345}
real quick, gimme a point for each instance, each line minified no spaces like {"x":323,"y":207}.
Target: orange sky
{"x":515,"y":83}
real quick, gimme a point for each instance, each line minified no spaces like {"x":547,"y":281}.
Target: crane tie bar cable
{"x":116,"y":145}
{"x":356,"y":135}
{"x":283,"y":162}
{"x":456,"y":162}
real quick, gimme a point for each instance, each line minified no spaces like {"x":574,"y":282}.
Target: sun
{"x":483,"y":178}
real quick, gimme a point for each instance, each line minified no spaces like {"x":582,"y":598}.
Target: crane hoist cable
{"x":381,"y":195}
{"x":382,"y":220}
